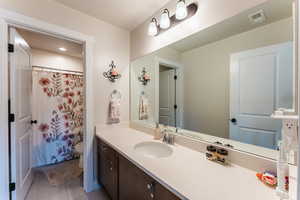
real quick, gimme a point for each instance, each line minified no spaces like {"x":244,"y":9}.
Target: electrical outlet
{"x":290,"y":124}
{"x":290,"y":135}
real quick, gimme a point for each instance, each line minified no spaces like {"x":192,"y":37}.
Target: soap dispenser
{"x":157,"y":134}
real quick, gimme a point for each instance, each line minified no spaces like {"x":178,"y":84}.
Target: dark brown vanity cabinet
{"x":134,"y":183}
{"x":123,"y":180}
{"x":108,"y":169}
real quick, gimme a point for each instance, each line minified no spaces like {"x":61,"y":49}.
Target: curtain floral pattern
{"x":58,"y":100}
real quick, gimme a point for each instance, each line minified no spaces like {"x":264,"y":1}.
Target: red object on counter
{"x":268,"y":178}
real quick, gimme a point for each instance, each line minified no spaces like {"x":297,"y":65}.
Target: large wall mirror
{"x":223,"y":83}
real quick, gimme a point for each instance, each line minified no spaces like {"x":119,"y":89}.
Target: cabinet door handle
{"x":150,"y":186}
{"x":104,"y":148}
{"x":111,"y":168}
{"x":152,"y":196}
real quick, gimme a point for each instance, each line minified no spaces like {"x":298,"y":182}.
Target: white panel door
{"x":261,"y":82}
{"x":167,"y":97}
{"x":21,"y":130}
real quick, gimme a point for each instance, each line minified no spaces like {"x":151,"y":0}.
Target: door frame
{"x":9,"y":18}
{"x":296,"y":34}
{"x":179,"y":89}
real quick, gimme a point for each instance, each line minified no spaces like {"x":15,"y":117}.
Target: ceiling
{"x":49,"y":43}
{"x":274,"y":10}
{"x":127,"y":14}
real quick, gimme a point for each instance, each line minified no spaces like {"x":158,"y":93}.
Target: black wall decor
{"x":112,"y":74}
{"x":144,"y":78}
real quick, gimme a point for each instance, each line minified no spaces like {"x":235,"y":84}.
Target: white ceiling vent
{"x":257,"y":17}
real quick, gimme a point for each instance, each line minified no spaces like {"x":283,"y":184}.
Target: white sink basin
{"x":153,"y":149}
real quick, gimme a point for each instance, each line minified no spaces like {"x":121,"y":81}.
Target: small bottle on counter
{"x":157,"y":133}
{"x":211,"y":153}
{"x":222,"y":155}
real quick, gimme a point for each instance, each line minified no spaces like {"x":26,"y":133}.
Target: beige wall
{"x":206,"y":71}
{"x":56,"y":61}
{"x":210,"y":12}
{"x":112,"y":43}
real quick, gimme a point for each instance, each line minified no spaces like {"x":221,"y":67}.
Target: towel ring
{"x":114,"y":93}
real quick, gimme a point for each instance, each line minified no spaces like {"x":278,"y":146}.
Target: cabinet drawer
{"x":105,"y":150}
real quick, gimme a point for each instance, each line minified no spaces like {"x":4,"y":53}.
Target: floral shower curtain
{"x":58,"y":108}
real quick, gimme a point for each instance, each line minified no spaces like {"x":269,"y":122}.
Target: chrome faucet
{"x":168,"y":137}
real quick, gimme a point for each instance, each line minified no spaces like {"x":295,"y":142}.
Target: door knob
{"x":233,"y":120}
{"x":33,"y":121}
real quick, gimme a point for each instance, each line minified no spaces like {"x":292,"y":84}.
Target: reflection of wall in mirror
{"x":136,"y":87}
{"x":206,"y":103}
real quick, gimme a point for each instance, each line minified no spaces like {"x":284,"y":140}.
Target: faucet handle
{"x":171,"y":139}
{"x":165,"y":136}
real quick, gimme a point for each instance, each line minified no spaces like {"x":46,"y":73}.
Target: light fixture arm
{"x":166,"y":11}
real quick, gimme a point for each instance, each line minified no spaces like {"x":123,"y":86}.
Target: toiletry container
{"x":211,"y":153}
{"x":157,"y":134}
{"x":222,"y":155}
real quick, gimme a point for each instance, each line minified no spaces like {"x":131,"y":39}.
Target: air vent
{"x":257,"y":17}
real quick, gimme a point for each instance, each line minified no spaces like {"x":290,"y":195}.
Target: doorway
{"x":167,"y":96}
{"x":17,"y":20}
{"x":47,"y":108}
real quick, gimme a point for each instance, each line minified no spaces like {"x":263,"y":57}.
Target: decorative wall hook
{"x":112,"y":74}
{"x":144,"y":78}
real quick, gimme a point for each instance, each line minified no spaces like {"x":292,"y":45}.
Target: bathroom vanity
{"x":126,"y":173}
{"x":123,"y":180}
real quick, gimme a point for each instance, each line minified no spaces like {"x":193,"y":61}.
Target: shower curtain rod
{"x":56,"y":70}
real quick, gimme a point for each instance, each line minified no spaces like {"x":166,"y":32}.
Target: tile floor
{"x":72,"y":190}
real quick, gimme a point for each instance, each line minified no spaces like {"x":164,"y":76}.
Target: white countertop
{"x":186,"y":172}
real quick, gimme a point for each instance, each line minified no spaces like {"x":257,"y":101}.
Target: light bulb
{"x":181,"y":10}
{"x":165,"y":19}
{"x":152,"y":29}
{"x":62,"y":49}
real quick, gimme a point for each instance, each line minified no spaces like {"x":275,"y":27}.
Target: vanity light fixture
{"x":153,"y":28}
{"x":144,"y":78}
{"x":181,"y":10}
{"x":169,"y":20}
{"x":112,"y":74}
{"x":165,"y":19}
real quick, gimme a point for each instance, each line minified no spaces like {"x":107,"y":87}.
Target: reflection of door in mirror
{"x":167,"y":96}
{"x":261,"y":82}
